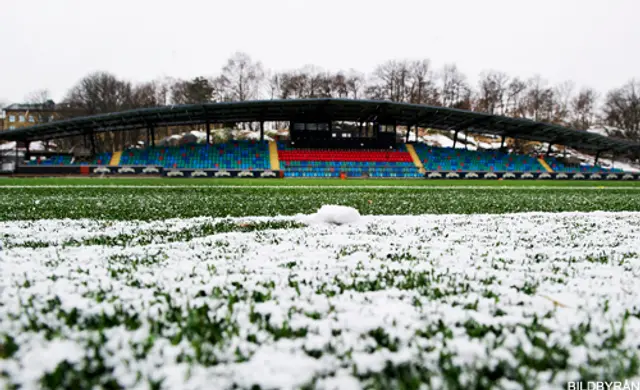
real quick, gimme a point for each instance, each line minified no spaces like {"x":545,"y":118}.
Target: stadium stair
{"x":273,"y":156}
{"x":545,"y":165}
{"x":415,"y":158}
{"x":115,"y":159}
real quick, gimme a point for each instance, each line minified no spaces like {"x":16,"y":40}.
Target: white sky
{"x":53,"y":43}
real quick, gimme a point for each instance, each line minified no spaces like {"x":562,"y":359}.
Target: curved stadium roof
{"x":384,"y":112}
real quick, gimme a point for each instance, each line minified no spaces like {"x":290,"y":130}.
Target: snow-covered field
{"x":328,"y":301}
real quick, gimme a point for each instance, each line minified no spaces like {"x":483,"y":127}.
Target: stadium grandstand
{"x":326,"y":138}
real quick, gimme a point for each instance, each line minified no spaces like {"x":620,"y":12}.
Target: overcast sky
{"x":53,"y":43}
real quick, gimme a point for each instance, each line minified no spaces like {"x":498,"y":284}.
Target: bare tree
{"x":292,"y":84}
{"x":493,"y":92}
{"x":40,"y":96}
{"x":314,"y":82}
{"x":99,"y":93}
{"x":339,"y":87}
{"x":562,"y":96}
{"x":43,"y":108}
{"x":391,"y":82}
{"x":163,"y":90}
{"x":622,"y":110}
{"x":144,"y":95}
{"x":241,"y":78}
{"x":583,"y":109}
{"x":423,"y":88}
{"x":273,"y":86}
{"x":455,"y":90}
{"x":516,"y":98}
{"x":197,"y":90}
{"x":307,"y":82}
{"x":539,"y":100}
{"x":403,"y":81}
{"x":355,"y":83}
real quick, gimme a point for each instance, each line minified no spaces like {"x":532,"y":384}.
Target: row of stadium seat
{"x":353,"y":163}
{"x":558,"y":166}
{"x":343,"y":155}
{"x":284,"y":146}
{"x":99,"y":159}
{"x":247,"y":155}
{"x":461,"y":160}
{"x":354,"y":173}
{"x":233,"y":155}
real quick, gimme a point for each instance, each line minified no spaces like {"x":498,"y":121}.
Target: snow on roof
{"x":34,"y":146}
{"x":8,"y":146}
{"x":599,"y":130}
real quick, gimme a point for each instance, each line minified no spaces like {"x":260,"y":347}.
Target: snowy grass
{"x":527,"y":300}
{"x":200,"y":287}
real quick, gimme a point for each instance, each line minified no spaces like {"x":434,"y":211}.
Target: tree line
{"x":243,"y":78}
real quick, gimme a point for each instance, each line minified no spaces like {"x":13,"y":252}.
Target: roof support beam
{"x":93,"y":143}
{"x":261,"y":131}
{"x":420,"y":118}
{"x":207,"y":124}
{"x":472,"y":122}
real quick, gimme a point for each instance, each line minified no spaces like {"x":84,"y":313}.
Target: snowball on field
{"x":337,"y":215}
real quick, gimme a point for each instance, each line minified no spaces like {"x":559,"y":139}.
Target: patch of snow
{"x":627,"y":167}
{"x":200,"y":135}
{"x":337,"y":215}
{"x":256,"y":136}
{"x":553,"y":269}
{"x":8,"y":146}
{"x":606,"y":131}
{"x":44,"y":357}
{"x":604,"y":162}
{"x":36,"y":146}
{"x":599,"y":130}
{"x":442,"y":141}
{"x":588,"y":160}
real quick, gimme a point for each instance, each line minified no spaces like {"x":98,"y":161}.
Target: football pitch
{"x":232,"y":283}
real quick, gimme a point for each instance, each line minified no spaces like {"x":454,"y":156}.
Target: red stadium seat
{"x":342,"y":155}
